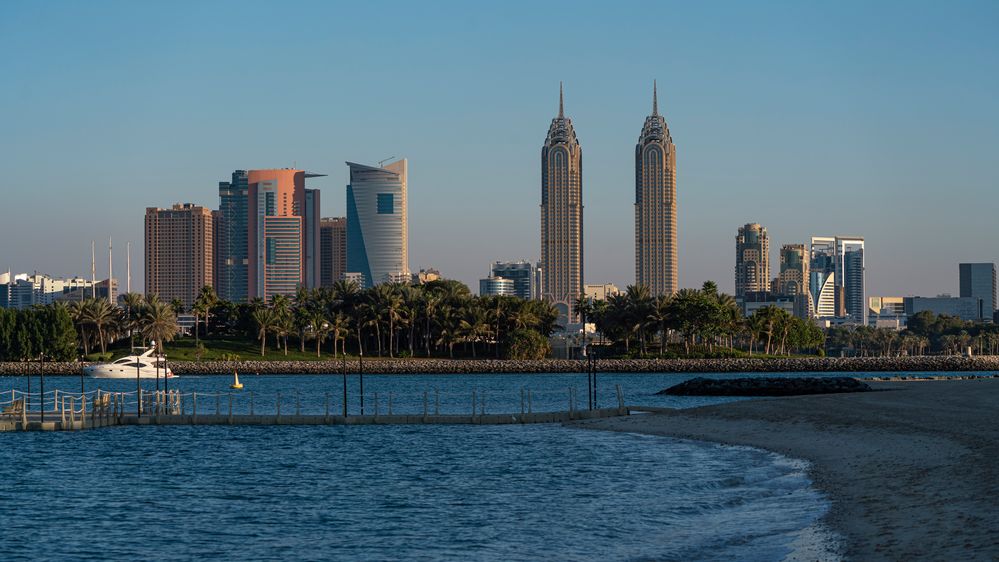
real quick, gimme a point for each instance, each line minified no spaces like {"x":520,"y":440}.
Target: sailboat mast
{"x":93,"y":270}
{"x":110,"y":275}
{"x":128,"y":267}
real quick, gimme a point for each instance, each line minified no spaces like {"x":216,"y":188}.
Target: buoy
{"x":236,"y":385}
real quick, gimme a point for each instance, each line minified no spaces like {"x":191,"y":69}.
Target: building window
{"x":386,"y":203}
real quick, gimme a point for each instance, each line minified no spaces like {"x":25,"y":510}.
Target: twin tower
{"x":562,"y":210}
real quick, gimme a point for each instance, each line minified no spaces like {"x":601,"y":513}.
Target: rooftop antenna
{"x":561,"y":113}
{"x":93,"y":270}
{"x":380,"y":162}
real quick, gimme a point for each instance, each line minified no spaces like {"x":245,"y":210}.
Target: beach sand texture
{"x":912,"y":471}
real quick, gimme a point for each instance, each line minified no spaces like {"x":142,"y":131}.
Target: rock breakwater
{"x":467,"y":366}
{"x":766,"y":386}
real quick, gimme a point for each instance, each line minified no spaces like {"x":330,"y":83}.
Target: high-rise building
{"x":179,"y":252}
{"x":978,"y":280}
{"x":276,"y":231}
{"x":311,"y":235}
{"x":655,"y":205}
{"x":332,"y":250}
{"x":838,"y":278}
{"x":851,"y":273}
{"x":231,"y":244}
{"x":792,"y":281}
{"x":377,"y":223}
{"x":752,"y":260}
{"x":562,"y":215}
{"x":524,"y":275}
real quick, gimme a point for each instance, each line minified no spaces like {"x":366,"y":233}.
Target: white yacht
{"x":144,"y":365}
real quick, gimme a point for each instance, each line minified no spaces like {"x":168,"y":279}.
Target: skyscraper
{"x":524,"y":275}
{"x":377,"y":223}
{"x":752,"y":260}
{"x":276,"y":231}
{"x":332,"y":250}
{"x":838,"y":278}
{"x":793,"y":278}
{"x":311,"y":235}
{"x":562,"y":215}
{"x":655,"y":205}
{"x":179,"y":256}
{"x":232,"y":246}
{"x":978,"y":280}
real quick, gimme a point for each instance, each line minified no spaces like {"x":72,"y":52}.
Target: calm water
{"x":394,"y":492}
{"x":397,"y":492}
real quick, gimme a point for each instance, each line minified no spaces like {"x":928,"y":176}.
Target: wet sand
{"x":912,"y":471}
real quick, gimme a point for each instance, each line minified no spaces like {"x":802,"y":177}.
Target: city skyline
{"x":798,"y":107}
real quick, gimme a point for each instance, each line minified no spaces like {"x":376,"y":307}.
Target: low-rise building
{"x":966,"y":308}
{"x":600,"y":292}
{"x":497,"y":286}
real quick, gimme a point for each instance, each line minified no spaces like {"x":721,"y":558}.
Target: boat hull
{"x":114,"y":372}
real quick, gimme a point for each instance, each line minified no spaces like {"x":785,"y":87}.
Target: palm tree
{"x":265,"y":319}
{"x":159,"y":323}
{"x":203,"y":304}
{"x":339,"y":325}
{"x":77,"y":311}
{"x":99,"y":315}
{"x":320,"y":329}
{"x":474,"y":325}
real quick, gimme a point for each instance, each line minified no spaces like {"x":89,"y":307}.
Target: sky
{"x":851,"y":118}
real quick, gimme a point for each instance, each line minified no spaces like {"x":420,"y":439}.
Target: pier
{"x":74,"y":411}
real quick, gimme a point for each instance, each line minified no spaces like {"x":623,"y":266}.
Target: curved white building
{"x":377,"y":225}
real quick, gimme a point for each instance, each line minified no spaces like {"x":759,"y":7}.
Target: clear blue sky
{"x":845,"y":118}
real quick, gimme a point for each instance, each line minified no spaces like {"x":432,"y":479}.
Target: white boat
{"x":145,"y":365}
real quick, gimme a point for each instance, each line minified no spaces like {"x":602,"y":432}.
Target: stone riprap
{"x":766,"y":386}
{"x":463,"y":366}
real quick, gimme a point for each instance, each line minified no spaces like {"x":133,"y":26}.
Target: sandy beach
{"x":912,"y":470}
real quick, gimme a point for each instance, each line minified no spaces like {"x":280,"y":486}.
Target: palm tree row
{"x":694,"y":317}
{"x":99,"y":323}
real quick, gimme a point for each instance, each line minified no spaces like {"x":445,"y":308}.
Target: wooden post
{"x":475,"y":400}
{"x":63,"y":408}
{"x":72,"y":413}
{"x":55,"y":400}
{"x":194,"y":407}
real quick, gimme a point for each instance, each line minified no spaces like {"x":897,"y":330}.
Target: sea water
{"x":534,"y":492}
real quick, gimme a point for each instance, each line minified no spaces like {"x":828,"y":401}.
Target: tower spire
{"x":561,"y":113}
{"x":655,"y":100}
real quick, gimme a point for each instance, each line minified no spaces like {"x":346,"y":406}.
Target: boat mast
{"x":93,"y":270}
{"x":110,"y":275}
{"x":128,"y":267}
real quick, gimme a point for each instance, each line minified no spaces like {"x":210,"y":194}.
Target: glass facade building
{"x":231,"y":245}
{"x":978,"y":280}
{"x":377,"y":223}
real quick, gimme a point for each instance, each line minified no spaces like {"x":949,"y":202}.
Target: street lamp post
{"x":345,"y":380}
{"x":41,"y":383}
{"x":138,"y":388}
{"x":360,"y":375}
{"x":166,"y":373}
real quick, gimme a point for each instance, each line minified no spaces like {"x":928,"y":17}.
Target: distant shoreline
{"x":494,"y":366}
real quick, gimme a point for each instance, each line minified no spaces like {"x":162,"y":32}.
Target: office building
{"x":25,"y":290}
{"x":311,"y":238}
{"x":966,"y":308}
{"x":497,"y":286}
{"x":524,"y":274}
{"x":600,"y":292}
{"x":655,"y":205}
{"x":179,"y":252}
{"x":562,"y":215}
{"x":837,"y":278}
{"x":752,"y":260}
{"x":978,"y":280}
{"x":377,"y":223}
{"x":276,"y":232}
{"x":332,"y":250}
{"x":231,"y":224}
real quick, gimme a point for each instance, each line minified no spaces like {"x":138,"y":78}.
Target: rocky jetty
{"x":895,"y":365}
{"x":766,"y":386}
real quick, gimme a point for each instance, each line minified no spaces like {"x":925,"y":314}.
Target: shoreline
{"x":951,"y":363}
{"x":910,"y":472}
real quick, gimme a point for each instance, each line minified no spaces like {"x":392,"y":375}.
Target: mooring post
{"x":390,"y":403}
{"x":376,"y":405}
{"x":194,"y":407}
{"x":475,"y":400}
{"x":63,"y":408}
{"x":55,"y":400}
{"x":279,"y":406}
{"x":437,"y":401}
{"x":72,"y":413}
{"x":424,"y":404}
{"x":326,"y":419}
{"x":620,"y":399}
